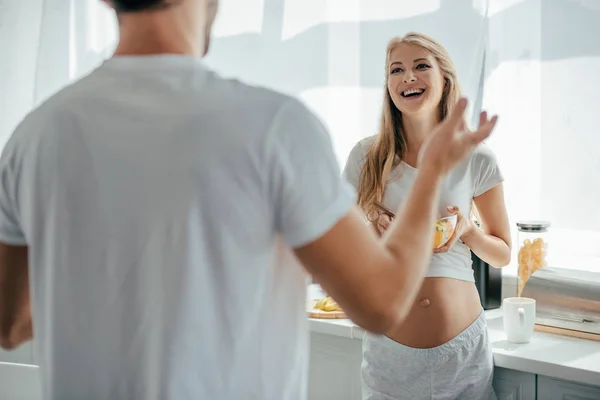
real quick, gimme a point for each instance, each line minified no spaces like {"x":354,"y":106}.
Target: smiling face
{"x":415,"y":80}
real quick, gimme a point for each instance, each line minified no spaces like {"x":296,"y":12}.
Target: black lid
{"x":533,"y":226}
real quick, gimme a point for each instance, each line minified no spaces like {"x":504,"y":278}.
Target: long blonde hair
{"x":389,"y":146}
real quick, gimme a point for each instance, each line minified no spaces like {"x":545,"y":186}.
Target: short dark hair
{"x":140,"y":5}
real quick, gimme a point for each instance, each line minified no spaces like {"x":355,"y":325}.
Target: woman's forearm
{"x":489,"y":248}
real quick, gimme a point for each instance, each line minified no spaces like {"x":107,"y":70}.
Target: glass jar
{"x":533,"y":249}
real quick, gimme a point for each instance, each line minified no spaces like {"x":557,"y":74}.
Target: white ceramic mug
{"x":519,"y":318}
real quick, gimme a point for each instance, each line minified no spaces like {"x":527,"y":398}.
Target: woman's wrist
{"x":471,"y":230}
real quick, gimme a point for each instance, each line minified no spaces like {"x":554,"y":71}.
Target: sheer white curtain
{"x":19,"y":37}
{"x":45,"y":44}
{"x":328,"y":52}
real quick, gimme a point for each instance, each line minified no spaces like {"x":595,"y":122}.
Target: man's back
{"x":150,"y":194}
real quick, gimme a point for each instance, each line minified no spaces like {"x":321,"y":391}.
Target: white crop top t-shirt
{"x":473,"y":177}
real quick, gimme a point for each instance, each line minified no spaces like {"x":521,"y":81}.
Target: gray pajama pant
{"x":461,"y":369}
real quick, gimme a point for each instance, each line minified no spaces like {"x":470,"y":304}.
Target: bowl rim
{"x":448,"y":217}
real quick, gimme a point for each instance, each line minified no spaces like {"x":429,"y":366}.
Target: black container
{"x":488,"y":281}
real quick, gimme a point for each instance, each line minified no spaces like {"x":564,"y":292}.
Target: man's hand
{"x":15,"y":309}
{"x":451,"y":142}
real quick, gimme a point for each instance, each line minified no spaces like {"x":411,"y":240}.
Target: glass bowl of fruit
{"x":444,"y":229}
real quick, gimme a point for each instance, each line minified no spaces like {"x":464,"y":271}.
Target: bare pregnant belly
{"x":453,"y":306}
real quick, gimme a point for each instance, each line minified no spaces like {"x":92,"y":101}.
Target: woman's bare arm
{"x":492,"y":244}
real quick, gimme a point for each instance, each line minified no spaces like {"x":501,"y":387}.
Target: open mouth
{"x":412,"y":93}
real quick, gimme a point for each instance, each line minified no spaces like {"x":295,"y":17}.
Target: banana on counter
{"x":327,"y":304}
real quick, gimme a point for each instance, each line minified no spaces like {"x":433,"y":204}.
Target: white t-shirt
{"x":473,"y":177}
{"x":159,"y":202}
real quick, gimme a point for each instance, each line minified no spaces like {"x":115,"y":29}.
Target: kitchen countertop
{"x":556,"y":356}
{"x":19,"y":381}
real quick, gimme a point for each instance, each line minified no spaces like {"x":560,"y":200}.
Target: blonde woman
{"x":442,"y":350}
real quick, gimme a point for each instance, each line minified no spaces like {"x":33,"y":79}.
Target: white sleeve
{"x":306,"y":190}
{"x":354,"y":165}
{"x":10,"y":229}
{"x":486,"y":170}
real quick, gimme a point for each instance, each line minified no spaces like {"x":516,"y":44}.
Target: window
{"x":544,"y":80}
{"x":536,"y":63}
{"x":542,"y":74}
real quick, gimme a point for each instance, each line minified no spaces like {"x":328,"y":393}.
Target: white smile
{"x":412,"y":92}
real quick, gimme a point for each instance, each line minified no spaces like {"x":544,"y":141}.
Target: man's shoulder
{"x":271,"y":112}
{"x":253,"y":97}
{"x":41,"y":117}
{"x":62,"y":101}
{"x":236,"y":85}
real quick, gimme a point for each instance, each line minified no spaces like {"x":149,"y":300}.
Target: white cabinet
{"x":514,"y":385}
{"x":335,"y":375}
{"x":334,"y":372}
{"x":556,"y":389}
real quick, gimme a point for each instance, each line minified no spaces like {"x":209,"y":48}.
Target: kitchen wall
{"x":542,"y":74}
{"x":331,"y":53}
